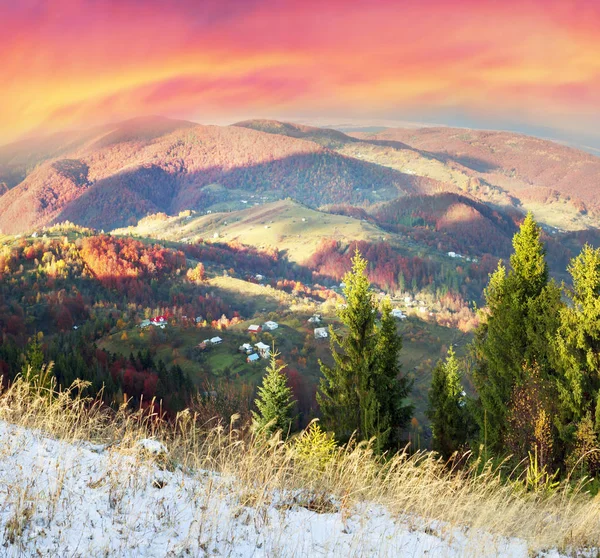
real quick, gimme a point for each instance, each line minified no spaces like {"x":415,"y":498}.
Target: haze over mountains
{"x":113,"y":176}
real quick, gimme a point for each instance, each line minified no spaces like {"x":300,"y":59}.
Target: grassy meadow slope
{"x":282,"y":225}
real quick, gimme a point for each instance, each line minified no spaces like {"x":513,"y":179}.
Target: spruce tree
{"x":361,"y":393}
{"x":34,"y":370}
{"x":578,"y":338}
{"x":274,"y":401}
{"x":343,"y":395}
{"x":514,"y":333}
{"x":391,"y":388}
{"x":447,"y":411}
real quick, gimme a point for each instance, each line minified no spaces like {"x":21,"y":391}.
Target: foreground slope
{"x":129,"y":498}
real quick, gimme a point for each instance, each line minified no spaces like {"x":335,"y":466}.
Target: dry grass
{"x":263,"y":473}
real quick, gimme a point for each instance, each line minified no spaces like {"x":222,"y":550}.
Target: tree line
{"x":535,"y":369}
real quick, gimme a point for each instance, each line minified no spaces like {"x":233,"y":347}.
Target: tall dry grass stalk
{"x":418,"y":487}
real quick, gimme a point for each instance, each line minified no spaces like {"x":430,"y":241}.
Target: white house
{"x":263,"y":349}
{"x":246,"y":348}
{"x":315,"y":319}
{"x":145,"y":323}
{"x":216,"y":340}
{"x":270,"y":325}
{"x":397,"y":313}
{"x":321,"y":333}
{"x":452,"y":254}
{"x":259,"y":277}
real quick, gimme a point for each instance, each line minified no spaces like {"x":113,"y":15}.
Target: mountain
{"x":115,"y":175}
{"x":530,"y":172}
{"x":130,"y":171}
{"x":19,"y":159}
{"x":326,"y":137}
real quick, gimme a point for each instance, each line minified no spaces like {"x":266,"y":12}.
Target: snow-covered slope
{"x":81,"y":500}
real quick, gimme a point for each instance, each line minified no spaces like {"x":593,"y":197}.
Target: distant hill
{"x":133,"y":170}
{"x":538,"y":174}
{"x":115,"y":175}
{"x":19,"y":159}
{"x":323,"y":136}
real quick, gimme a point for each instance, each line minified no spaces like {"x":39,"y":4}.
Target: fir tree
{"x":391,"y":388}
{"x":34,"y":370}
{"x":274,"y":401}
{"x":344,"y":395}
{"x":361,"y":393}
{"x":578,"y":338}
{"x":515,"y":333}
{"x":447,"y":410}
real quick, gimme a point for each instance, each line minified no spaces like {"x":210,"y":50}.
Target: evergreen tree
{"x":344,"y":396}
{"x":578,"y":338}
{"x":391,"y":388}
{"x":447,"y":410}
{"x":34,"y":370}
{"x":361,"y":393}
{"x":515,"y":333}
{"x":274,"y":401}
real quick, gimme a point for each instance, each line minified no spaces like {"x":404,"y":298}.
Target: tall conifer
{"x":447,"y":410}
{"x":362,"y":392}
{"x":514,"y":332}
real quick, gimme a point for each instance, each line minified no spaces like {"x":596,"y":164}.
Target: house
{"x":216,"y":340}
{"x":252,"y":358}
{"x":245,"y":348}
{"x":159,"y":321}
{"x":315,"y":319}
{"x":270,"y":325}
{"x":263,"y":349}
{"x":397,"y":313}
{"x":452,"y":254}
{"x":254,"y":328}
{"x":321,"y":333}
{"x":202,"y":346}
{"x":259,"y":277}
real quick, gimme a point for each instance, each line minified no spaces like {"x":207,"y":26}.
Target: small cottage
{"x":321,"y":333}
{"x":263,"y":349}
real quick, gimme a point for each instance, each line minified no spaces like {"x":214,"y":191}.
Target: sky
{"x":524,"y":65}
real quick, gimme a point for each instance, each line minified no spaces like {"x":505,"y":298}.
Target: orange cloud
{"x":82,"y":62}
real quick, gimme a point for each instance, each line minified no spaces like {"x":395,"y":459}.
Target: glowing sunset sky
{"x":527,"y":64}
